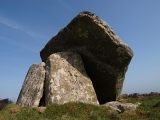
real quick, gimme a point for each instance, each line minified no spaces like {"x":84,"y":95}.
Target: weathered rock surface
{"x":105,"y":56}
{"x":32,"y":89}
{"x":66,"y":80}
{"x":121,"y":107}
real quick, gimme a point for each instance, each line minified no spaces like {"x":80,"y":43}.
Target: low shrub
{"x":4,"y":102}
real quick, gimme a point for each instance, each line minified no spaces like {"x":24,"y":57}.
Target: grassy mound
{"x":149,"y":109}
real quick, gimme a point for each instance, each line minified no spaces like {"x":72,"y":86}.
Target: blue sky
{"x":27,"y":25}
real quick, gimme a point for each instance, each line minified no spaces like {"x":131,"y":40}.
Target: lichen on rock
{"x":66,"y":80}
{"x":32,"y":89}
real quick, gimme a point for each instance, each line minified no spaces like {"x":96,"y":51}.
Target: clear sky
{"x":27,"y":25}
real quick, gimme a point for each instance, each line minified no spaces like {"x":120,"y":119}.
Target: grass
{"x":148,"y":110}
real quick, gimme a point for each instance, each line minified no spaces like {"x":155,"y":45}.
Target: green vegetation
{"x":148,"y":110}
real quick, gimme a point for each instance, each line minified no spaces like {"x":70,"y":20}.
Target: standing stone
{"x":105,"y":56}
{"x":32,"y":89}
{"x":66,"y":80}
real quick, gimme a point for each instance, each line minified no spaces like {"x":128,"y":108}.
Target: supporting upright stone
{"x":32,"y":89}
{"x":105,"y":56}
{"x":67,"y":81}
